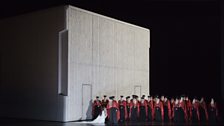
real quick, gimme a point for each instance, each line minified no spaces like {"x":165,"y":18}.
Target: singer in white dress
{"x":100,"y":120}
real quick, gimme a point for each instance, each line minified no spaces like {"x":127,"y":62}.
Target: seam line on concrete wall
{"x":98,"y":40}
{"x":92,"y":54}
{"x":134,"y":58}
{"x":114,"y":41}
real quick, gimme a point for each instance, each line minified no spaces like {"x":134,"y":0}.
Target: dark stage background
{"x":185,"y":54}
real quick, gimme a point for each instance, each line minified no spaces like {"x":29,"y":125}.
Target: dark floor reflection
{"x":21,"y":122}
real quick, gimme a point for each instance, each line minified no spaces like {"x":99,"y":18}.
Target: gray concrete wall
{"x":110,"y":56}
{"x":29,"y":65}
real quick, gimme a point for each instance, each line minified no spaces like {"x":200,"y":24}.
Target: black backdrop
{"x":185,"y":39}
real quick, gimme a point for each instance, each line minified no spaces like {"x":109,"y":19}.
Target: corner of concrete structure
{"x":66,"y":15}
{"x":148,"y":30}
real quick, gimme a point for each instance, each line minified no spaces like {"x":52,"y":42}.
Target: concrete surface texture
{"x":106,"y":56}
{"x":55,"y":61}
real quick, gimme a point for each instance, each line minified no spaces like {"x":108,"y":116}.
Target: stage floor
{"x":22,"y":122}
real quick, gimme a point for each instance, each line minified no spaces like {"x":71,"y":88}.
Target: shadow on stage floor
{"x":22,"y":122}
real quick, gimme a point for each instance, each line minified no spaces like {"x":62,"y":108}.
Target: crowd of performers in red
{"x":178,"y":110}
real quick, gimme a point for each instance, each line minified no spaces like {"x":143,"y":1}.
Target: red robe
{"x":188,"y":107}
{"x":183,"y":106}
{"x":167,"y":103}
{"x":95,"y":103}
{"x":146,"y":107}
{"x":128,"y":104}
{"x":203,"y":105}
{"x":138,"y":109}
{"x":104,"y":102}
{"x":160,"y":105}
{"x":215,"y":107}
{"x":195,"y":106}
{"x":114,"y":105}
{"x":172,"y":110}
{"x":138,"y":102}
{"x":151,"y":105}
{"x":123,"y":102}
{"x":173,"y":106}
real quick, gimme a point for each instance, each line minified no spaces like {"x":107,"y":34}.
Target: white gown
{"x":100,"y":120}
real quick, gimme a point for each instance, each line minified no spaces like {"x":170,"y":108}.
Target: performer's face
{"x":134,"y":101}
{"x":165,"y":99}
{"x":162,"y":98}
{"x":193,"y":101}
{"x":202,"y":99}
{"x":157,"y":100}
{"x":212,"y":101}
{"x":176,"y":101}
{"x":181,"y":99}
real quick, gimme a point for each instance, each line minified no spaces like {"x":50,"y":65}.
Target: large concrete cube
{"x":55,"y":61}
